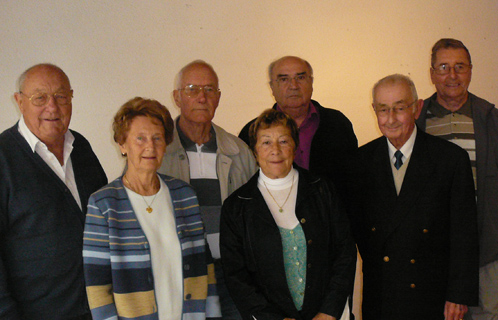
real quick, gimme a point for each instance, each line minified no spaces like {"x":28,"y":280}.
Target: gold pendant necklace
{"x":283,"y":204}
{"x":149,"y":208}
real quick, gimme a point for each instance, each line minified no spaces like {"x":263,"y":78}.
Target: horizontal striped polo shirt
{"x":456,"y":127}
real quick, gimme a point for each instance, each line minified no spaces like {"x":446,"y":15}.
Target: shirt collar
{"x":33,"y":140}
{"x":406,"y":149}
{"x":439,"y":111}
{"x":312,"y":113}
{"x":189,"y":145}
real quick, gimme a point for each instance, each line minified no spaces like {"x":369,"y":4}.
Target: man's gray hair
{"x":272,"y":65}
{"x":179,"y":76}
{"x":22,"y":77}
{"x":395,"y":79}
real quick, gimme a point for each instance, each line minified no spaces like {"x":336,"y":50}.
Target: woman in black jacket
{"x":286,"y":245}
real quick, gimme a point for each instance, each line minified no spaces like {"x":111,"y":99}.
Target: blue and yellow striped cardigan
{"x":117,"y":262}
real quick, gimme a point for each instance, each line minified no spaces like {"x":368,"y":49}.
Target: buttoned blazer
{"x":251,"y":250}
{"x":419,"y":249}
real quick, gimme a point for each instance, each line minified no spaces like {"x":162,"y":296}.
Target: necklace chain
{"x":280,"y":207}
{"x":149,"y":208}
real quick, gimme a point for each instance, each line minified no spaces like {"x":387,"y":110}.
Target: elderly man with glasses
{"x":414,"y":216}
{"x":47,"y":174}
{"x":454,"y":114}
{"x":326,"y":138}
{"x":213,"y":161}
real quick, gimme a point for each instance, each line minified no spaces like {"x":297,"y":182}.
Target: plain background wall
{"x":115,"y":50}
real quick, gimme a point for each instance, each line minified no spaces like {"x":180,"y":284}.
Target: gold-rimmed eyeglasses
{"x":193,"y":90}
{"x":384,"y":111}
{"x":41,"y":98}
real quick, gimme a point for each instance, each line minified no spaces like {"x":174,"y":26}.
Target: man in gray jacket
{"x":213,"y":161}
{"x":457,"y":115}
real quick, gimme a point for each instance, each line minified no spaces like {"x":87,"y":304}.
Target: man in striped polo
{"x":454,"y":114}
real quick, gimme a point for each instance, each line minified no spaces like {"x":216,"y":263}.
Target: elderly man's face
{"x":292,"y":93}
{"x":451,"y":86}
{"x":50,"y":121}
{"x":198,"y":107}
{"x":398,"y":122}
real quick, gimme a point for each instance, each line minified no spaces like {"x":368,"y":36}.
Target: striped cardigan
{"x":117,"y":261}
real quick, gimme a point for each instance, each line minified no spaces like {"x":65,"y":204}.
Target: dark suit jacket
{"x":41,"y":231}
{"x":332,"y":148}
{"x":420,"y":248}
{"x":251,"y":251}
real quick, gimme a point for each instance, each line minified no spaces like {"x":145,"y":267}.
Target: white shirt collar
{"x":406,"y":149}
{"x":33,"y":140}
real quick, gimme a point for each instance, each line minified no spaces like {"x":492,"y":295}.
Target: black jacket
{"x":251,"y":251}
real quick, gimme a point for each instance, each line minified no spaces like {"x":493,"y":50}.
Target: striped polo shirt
{"x":457,"y":127}
{"x":204,"y":179}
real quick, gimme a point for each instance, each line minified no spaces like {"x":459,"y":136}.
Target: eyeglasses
{"x":285,"y":80}
{"x":41,"y":98}
{"x":459,"y":68}
{"x":400,"y":109}
{"x":193,"y":90}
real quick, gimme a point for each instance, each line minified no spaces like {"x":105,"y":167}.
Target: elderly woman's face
{"x":145,"y":145}
{"x":275,"y":150}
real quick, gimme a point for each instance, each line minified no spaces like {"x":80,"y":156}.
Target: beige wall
{"x":115,"y":50}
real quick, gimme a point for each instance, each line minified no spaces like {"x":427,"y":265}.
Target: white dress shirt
{"x":64,"y":172}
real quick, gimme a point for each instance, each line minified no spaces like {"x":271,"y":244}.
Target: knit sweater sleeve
{"x":97,"y":263}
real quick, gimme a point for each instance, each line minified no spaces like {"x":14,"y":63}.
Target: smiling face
{"x":49,"y":122}
{"x":452,"y":86}
{"x":144,"y":145}
{"x":199,"y":109}
{"x":396,"y":126}
{"x":275,"y":150}
{"x":292,"y":96}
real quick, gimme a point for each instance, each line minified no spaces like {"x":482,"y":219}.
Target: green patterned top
{"x":294,"y":245}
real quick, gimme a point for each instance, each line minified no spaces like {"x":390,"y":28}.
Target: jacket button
{"x":310,"y":241}
{"x":413,"y":286}
{"x":186,"y":267}
{"x":412,"y":261}
{"x":373,"y":229}
{"x":386,"y":259}
{"x":303,"y":220}
{"x":309,"y":265}
{"x":425,"y":231}
{"x":188,"y":296}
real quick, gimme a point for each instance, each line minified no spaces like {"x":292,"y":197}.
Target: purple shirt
{"x":306,"y":132}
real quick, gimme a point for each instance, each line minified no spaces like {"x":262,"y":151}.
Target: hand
{"x":323,"y":316}
{"x":454,"y":311}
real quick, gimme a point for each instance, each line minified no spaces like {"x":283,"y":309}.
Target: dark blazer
{"x":332,"y":148}
{"x":41,"y":231}
{"x":251,"y":250}
{"x":420,"y":248}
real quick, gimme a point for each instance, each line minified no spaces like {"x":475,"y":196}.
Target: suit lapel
{"x":417,"y":175}
{"x":384,"y":180}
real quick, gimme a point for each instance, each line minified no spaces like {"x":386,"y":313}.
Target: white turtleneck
{"x":280,"y":189}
